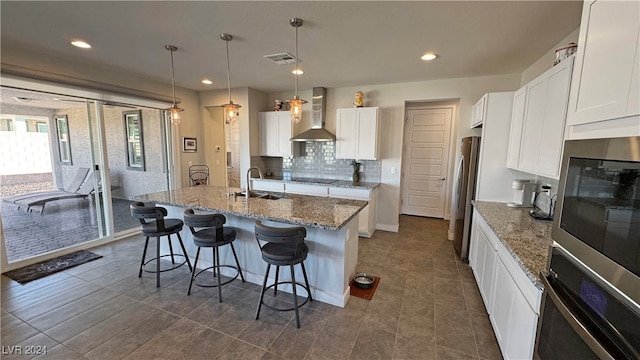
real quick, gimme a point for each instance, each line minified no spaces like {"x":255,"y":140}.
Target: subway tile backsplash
{"x":318,"y":161}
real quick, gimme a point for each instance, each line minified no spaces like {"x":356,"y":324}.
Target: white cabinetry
{"x":266,"y":185}
{"x":478,"y":113}
{"x":605,"y":85}
{"x":304,"y":189}
{"x":543,"y":122}
{"x":367,"y":219}
{"x":515,"y":134}
{"x":276,"y":129}
{"x":511,"y":299}
{"x":357,"y":133}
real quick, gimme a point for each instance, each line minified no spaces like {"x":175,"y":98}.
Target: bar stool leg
{"x":264,"y":285}
{"x":173,"y":260}
{"x":306,"y":281}
{"x":295,"y":295}
{"x":184,"y":251}
{"x":275,"y":288}
{"x":158,"y":261}
{"x":216,"y":252}
{"x":237,"y":262}
{"x":193,"y":272}
{"x":144,"y":255}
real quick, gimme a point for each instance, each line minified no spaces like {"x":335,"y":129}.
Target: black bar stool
{"x":213,"y":235}
{"x":284,"y":247}
{"x":158,"y":227}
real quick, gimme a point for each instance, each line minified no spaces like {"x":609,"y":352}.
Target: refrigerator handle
{"x":456,"y":193}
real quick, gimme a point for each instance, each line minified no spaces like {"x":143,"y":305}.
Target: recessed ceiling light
{"x":297,"y":71}
{"x":81,"y":44}
{"x":207,"y":81}
{"x":429,"y":56}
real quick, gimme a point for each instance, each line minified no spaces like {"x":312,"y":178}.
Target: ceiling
{"x":340,"y":44}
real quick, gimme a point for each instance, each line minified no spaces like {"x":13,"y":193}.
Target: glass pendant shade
{"x":231,"y":113}
{"x":175,"y":114}
{"x":296,"y":109}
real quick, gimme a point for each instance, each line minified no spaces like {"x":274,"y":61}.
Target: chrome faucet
{"x":248,"y":194}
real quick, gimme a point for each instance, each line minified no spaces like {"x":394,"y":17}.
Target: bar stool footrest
{"x":307,"y":298}
{"x":213,"y":267}
{"x":163,"y":270}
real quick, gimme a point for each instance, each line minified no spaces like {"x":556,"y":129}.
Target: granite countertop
{"x":337,"y":183}
{"x":310,"y":211}
{"x":526,"y":238}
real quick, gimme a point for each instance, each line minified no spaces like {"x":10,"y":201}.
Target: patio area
{"x":63,"y":223}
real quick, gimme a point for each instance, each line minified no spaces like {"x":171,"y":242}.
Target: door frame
{"x":454,"y":105}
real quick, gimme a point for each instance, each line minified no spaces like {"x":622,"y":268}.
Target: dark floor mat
{"x":48,"y":267}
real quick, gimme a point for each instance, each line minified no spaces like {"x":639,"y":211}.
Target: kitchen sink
{"x":260,"y":195}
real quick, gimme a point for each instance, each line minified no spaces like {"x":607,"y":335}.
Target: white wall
{"x":546,"y":61}
{"x":391,"y":99}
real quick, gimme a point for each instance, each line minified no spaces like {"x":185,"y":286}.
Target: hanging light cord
{"x":173,"y":80}
{"x":228,"y":72}
{"x":297,"y":67}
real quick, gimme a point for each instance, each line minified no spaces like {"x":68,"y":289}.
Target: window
{"x":134,"y":139}
{"x":64,"y":145}
{"x":6,"y":124}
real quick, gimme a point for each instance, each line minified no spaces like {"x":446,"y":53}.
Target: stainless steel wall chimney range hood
{"x":317,"y":131}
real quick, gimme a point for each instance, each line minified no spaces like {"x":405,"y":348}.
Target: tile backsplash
{"x":318,"y":161}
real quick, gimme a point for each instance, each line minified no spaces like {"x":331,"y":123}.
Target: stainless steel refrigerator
{"x":464,"y":192}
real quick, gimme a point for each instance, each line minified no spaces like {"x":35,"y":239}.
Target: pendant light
{"x":231,"y":110}
{"x":296,"y":102}
{"x":174,"y":109}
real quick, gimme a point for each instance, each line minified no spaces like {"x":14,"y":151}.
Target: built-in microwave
{"x":597,"y":216}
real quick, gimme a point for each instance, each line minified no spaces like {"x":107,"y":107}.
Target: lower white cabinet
{"x":304,"y":189}
{"x":266,"y":185}
{"x":367,"y":219}
{"x":511,"y":299}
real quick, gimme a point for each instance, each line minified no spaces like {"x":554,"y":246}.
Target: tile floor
{"x":426,"y":306}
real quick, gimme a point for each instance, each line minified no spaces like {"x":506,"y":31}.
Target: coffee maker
{"x":522,"y":193}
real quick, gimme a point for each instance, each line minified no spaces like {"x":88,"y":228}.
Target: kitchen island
{"x":331,"y":223}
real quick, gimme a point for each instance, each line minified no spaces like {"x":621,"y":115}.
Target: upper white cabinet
{"x":276,"y":129}
{"x":539,"y":142}
{"x":515,"y":132}
{"x":478,"y":113}
{"x":605,"y":84}
{"x":357,"y":133}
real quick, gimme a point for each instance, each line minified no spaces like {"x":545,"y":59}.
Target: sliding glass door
{"x":69,"y":168}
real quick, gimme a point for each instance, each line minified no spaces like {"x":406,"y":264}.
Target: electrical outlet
{"x":361,"y":167}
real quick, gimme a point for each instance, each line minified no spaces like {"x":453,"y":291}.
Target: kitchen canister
{"x":564,"y":52}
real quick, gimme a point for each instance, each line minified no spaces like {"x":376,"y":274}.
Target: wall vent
{"x":282,"y":58}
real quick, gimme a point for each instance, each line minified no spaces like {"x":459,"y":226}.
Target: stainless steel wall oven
{"x":592,"y":289}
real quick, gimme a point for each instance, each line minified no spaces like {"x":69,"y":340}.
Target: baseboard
{"x":387,"y":227}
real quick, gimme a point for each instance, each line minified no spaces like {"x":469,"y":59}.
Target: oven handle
{"x":577,"y":326}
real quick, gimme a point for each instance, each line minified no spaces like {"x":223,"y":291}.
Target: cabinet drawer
{"x":267,"y":185}
{"x":349,"y":193}
{"x":306,"y":189}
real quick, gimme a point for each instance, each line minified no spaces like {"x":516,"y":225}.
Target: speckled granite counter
{"x":309,"y":211}
{"x":524,"y":237}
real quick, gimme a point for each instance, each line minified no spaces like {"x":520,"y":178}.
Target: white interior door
{"x":425,"y":159}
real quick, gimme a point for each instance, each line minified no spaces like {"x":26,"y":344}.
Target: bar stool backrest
{"x":142,"y":212}
{"x":292,"y":236}
{"x":194,"y":221}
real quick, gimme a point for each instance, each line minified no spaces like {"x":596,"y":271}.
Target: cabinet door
{"x":268,"y":133}
{"x":367,"y":134}
{"x":284,"y":127}
{"x":522,"y":334}
{"x":605,"y":61}
{"x":501,"y":308}
{"x":515,"y":134}
{"x":553,"y":125}
{"x":346,"y":130}
{"x":533,"y":122}
{"x":478,"y":111}
{"x":485,"y":267}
